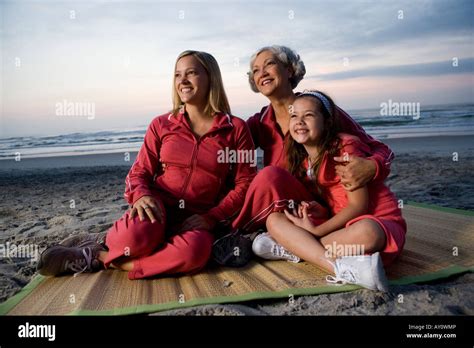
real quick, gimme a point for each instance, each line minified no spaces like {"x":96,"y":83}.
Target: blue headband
{"x":321,"y":98}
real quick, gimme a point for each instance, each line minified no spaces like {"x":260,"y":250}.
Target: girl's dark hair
{"x":329,"y":142}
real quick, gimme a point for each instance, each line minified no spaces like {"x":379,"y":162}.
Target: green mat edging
{"x":6,"y":306}
{"x":443,"y":209}
{"x":150,"y":308}
{"x":441,"y":274}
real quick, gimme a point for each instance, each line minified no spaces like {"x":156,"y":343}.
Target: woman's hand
{"x":147,"y":206}
{"x":354,"y":171}
{"x":196,"y":222}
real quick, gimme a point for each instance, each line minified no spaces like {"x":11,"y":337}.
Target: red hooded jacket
{"x":184,"y":171}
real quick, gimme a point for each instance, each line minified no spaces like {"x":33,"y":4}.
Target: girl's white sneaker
{"x":363,"y":270}
{"x":267,"y":248}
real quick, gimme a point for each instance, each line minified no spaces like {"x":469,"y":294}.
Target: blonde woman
{"x":177,"y":188}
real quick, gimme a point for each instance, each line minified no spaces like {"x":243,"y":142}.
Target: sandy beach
{"x":44,"y":200}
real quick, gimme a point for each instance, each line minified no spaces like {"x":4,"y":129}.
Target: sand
{"x":45,"y":200}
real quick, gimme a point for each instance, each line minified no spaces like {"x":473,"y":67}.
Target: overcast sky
{"x":120,"y":55}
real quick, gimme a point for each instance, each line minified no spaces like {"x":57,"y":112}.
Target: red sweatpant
{"x":152,"y":251}
{"x":273,"y":190}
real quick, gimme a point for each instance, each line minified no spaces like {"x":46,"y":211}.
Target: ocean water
{"x":432,"y":121}
{"x":126,"y":140}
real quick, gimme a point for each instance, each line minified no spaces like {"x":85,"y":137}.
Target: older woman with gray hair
{"x":275,"y":72}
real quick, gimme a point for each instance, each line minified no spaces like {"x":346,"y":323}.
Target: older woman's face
{"x":269,"y":74}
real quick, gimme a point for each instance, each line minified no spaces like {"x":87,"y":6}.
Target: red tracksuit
{"x":183,"y":173}
{"x":383,"y":206}
{"x":272,"y":187}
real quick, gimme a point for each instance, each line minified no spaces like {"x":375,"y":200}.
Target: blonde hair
{"x":217,"y":99}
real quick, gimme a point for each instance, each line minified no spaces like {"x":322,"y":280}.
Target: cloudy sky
{"x":119,"y":55}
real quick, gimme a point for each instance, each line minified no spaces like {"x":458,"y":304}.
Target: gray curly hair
{"x":287,"y":57}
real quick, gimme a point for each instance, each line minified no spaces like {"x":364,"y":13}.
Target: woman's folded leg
{"x":186,"y":252}
{"x":131,"y":238}
{"x":272,"y":190}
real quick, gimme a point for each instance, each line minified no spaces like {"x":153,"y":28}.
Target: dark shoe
{"x":232,"y":250}
{"x":85,"y":239}
{"x":59,"y":259}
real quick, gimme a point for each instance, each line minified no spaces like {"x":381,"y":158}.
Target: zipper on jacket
{"x":173,"y":164}
{"x":192,"y":168}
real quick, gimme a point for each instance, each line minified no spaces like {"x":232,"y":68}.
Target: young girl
{"x":177,"y":188}
{"x":366,"y":222}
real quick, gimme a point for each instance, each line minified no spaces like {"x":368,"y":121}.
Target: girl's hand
{"x":308,"y":205}
{"x":304,"y":222}
{"x":147,"y":206}
{"x":195,"y":222}
{"x":298,"y":210}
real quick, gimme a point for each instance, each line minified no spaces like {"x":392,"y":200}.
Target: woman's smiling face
{"x":269,"y":74}
{"x":191,"y":80}
{"x":306,"y":121}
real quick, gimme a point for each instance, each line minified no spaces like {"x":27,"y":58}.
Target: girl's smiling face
{"x":306,"y":121}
